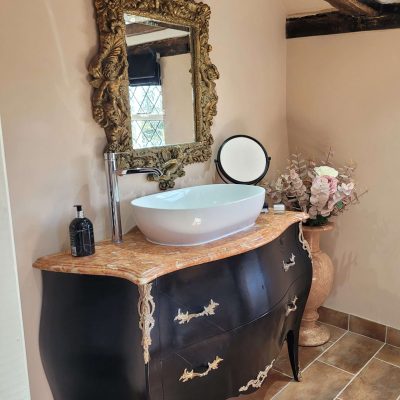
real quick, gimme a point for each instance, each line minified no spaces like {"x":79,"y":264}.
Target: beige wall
{"x":294,"y":7}
{"x":54,"y":149}
{"x":177,"y":94}
{"x":14,"y":383}
{"x":344,"y":92}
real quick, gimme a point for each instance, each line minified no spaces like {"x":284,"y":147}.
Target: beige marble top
{"x":140,"y":261}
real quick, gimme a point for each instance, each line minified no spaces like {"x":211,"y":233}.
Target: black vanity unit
{"x":208,"y":332}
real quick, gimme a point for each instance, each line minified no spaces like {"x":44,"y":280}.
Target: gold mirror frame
{"x":109,"y":77}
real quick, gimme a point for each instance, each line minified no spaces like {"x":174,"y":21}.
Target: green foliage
{"x":318,"y":221}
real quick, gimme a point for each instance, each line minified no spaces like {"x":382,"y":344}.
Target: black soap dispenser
{"x":81,"y":235}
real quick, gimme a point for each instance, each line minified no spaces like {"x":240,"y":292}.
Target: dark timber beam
{"x":335,"y":22}
{"x":353,"y":7}
{"x":166,"y":47}
{"x":141,"y":29}
{"x":137,"y":28}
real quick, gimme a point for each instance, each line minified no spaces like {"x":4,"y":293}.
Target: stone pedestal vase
{"x":312,"y":334}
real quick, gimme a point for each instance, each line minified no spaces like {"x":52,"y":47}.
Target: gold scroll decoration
{"x":303,"y":241}
{"x":261,"y":377}
{"x":146,"y":308}
{"x":189,"y":375}
{"x":185,"y":318}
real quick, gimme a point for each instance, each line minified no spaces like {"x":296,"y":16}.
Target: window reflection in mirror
{"x":160,"y":82}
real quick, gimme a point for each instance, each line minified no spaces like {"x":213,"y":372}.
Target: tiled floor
{"x":349,"y":367}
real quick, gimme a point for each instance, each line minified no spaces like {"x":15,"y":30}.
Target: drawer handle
{"x":185,"y":318}
{"x":292,"y":307}
{"x":261,"y":377}
{"x":292,"y":263}
{"x":189,"y":375}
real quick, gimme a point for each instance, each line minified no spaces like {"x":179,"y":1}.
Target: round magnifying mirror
{"x":243,"y":160}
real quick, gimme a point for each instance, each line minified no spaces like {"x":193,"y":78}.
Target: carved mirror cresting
{"x":154,"y":90}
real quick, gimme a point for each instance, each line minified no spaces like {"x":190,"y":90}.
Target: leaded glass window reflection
{"x":147,"y":116}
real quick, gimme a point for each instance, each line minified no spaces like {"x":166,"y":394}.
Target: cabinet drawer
{"x":293,"y":260}
{"x":201,"y":302}
{"x":175,"y":335}
{"x":295,"y":302}
{"x":236,"y":358}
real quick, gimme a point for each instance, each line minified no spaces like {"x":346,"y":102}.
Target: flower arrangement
{"x":318,"y":189}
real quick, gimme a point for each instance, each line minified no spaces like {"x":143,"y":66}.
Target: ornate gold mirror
{"x":154,"y":83}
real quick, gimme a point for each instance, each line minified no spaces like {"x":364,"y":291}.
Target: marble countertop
{"x":141,"y":262}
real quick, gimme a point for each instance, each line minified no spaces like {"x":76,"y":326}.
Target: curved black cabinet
{"x":216,"y":327}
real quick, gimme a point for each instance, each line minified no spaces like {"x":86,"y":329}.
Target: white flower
{"x":324,"y":170}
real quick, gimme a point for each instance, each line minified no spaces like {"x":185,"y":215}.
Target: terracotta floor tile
{"x":351,"y":352}
{"x":390,"y":354}
{"x":273,"y":384}
{"x":320,"y":382}
{"x":306,"y":356}
{"x":378,"y":381}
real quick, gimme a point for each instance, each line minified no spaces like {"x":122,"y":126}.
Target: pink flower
{"x":333,"y":184}
{"x":319,"y":192}
{"x":347,"y":189}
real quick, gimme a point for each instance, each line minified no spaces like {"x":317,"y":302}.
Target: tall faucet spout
{"x":113,"y":196}
{"x":145,"y":170}
{"x":112,"y":173}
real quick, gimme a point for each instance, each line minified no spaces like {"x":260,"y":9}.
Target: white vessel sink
{"x":197,"y":215}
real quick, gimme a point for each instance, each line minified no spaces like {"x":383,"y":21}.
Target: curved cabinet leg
{"x":293,"y":348}
{"x":90,"y":341}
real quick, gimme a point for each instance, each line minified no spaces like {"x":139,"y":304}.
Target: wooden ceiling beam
{"x":137,"y":29}
{"x":335,"y":23}
{"x":166,"y":47}
{"x":353,"y":7}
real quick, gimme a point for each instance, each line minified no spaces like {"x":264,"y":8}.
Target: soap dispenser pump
{"x":81,"y":235}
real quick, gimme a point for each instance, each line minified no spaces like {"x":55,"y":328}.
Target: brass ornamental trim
{"x":290,"y":264}
{"x":146,"y":308}
{"x":259,"y":380}
{"x":185,"y":318}
{"x":303,"y":241}
{"x":189,"y":375}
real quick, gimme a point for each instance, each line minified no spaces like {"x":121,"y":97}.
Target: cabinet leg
{"x":293,"y":348}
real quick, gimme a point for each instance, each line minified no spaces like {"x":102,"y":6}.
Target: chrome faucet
{"x":112,"y":173}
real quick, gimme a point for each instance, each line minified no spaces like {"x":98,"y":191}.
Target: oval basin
{"x":197,"y":215}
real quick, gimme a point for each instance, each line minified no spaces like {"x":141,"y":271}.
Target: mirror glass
{"x":242,"y":159}
{"x":160,"y":82}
